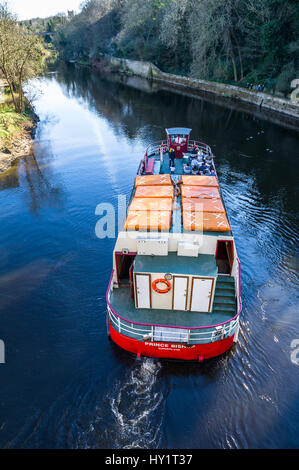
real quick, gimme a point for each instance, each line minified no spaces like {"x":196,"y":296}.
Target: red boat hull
{"x":194,"y":352}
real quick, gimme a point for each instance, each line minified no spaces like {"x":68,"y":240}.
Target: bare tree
{"x":21,"y":55}
{"x":171,"y":25}
{"x":214,"y":25}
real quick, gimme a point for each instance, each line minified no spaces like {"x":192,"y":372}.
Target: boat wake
{"x":137,"y":407}
{"x":129,"y":415}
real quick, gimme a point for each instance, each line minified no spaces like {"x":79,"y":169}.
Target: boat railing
{"x":148,"y":332}
{"x":154,"y":147}
{"x":179,"y":334}
{"x":201,"y":146}
{"x":238,"y":286}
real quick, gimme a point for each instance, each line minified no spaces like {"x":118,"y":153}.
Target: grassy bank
{"x":15,"y":129}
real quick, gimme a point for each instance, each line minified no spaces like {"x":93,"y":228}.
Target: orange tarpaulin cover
{"x":154,"y":191}
{"x":192,"y":220}
{"x":156,"y":180}
{"x":196,"y":180}
{"x":206,"y":221}
{"x":151,"y":220}
{"x":151,"y":203}
{"x":200,"y":192}
{"x":195,"y":204}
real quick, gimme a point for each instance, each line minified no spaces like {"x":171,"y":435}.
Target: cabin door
{"x":201,"y":294}
{"x":124,"y":263}
{"x":224,"y":256}
{"x":143,"y":296}
{"x":180,"y":289}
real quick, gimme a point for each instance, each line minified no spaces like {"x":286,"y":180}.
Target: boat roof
{"x":178,"y":130}
{"x":202,"y":265}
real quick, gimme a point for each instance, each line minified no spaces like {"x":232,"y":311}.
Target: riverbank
{"x":16,"y":129}
{"x":285,"y":109}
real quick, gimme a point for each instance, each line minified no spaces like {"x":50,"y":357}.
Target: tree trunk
{"x":240,"y":57}
{"x":13,"y":96}
{"x":21,"y":101}
{"x":232,"y":56}
{"x":20,"y":96}
{"x":241,"y":62}
{"x":21,"y":87}
{"x":10,"y":85}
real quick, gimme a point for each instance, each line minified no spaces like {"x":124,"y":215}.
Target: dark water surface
{"x":64,"y":384}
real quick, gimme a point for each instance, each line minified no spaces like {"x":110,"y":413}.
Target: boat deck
{"x":164,"y":168}
{"x":224,"y":308}
{"x":179,"y":163}
{"x":122,"y":303}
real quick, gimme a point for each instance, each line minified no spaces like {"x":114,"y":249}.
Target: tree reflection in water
{"x":42,"y":189}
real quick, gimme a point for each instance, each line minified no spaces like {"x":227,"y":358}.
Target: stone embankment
{"x":232,"y":93}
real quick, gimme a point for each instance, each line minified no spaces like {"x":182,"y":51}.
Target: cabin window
{"x":178,"y":139}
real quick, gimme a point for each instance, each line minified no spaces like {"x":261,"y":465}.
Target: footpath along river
{"x":64,"y":384}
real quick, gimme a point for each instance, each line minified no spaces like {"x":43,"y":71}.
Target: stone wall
{"x":130,"y":67}
{"x":230,"y":92}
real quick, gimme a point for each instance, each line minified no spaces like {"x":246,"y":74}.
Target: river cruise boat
{"x":174,"y":290}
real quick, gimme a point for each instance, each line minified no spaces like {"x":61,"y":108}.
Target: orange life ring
{"x":163,"y":147}
{"x":162,"y":281}
{"x":194,"y":147}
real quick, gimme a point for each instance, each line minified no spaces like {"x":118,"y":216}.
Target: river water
{"x":64,"y":384}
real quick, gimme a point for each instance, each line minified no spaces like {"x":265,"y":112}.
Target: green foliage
{"x":90,"y":32}
{"x":21,"y":55}
{"x":271,"y":36}
{"x":285,"y":77}
{"x":50,"y":24}
{"x":226,"y":40}
{"x":10,"y":121}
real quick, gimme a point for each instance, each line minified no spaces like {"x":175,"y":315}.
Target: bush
{"x":283,"y":81}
